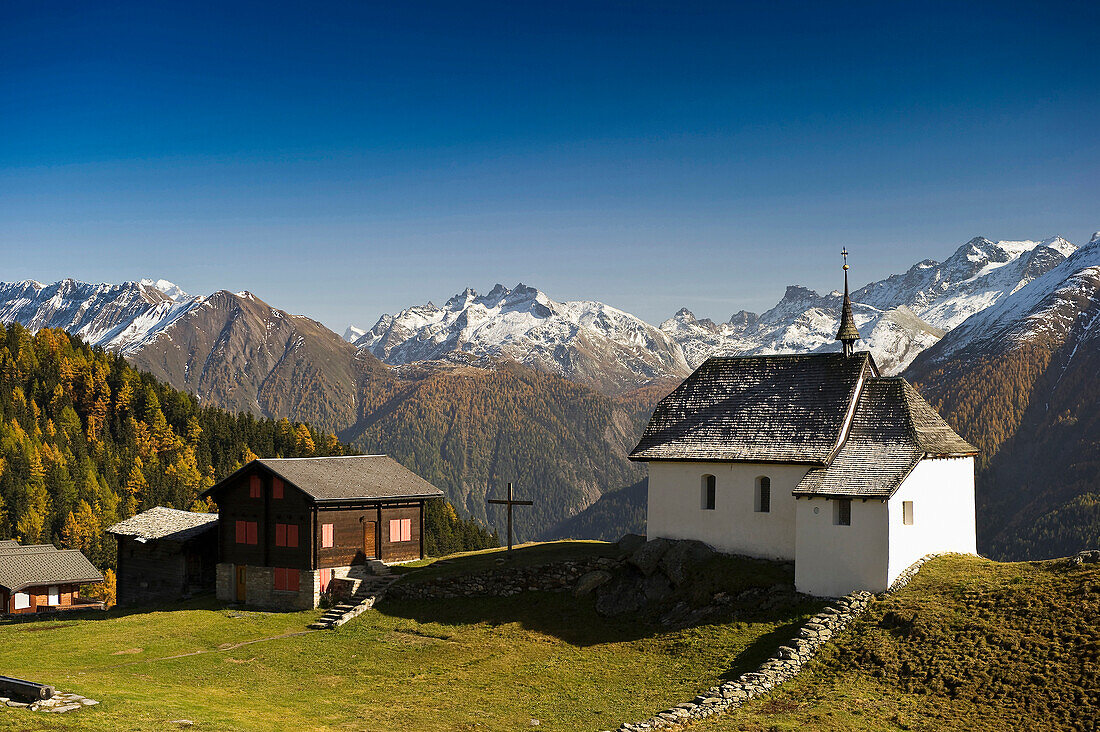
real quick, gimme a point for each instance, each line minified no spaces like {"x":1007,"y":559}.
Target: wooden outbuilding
{"x":290,"y":526}
{"x":165,"y":554}
{"x":42,"y":578}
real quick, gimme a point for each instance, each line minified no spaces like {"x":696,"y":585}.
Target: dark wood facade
{"x":258,"y":527}
{"x":162,"y":571}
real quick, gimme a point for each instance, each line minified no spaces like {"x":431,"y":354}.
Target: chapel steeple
{"x":848,"y":335}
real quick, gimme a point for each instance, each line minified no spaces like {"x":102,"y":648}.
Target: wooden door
{"x":241,"y":584}
{"x":370,"y":540}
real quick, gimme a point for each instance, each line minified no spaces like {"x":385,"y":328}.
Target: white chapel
{"x":814,"y":458}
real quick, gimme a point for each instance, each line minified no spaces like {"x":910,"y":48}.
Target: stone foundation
{"x":260,"y":588}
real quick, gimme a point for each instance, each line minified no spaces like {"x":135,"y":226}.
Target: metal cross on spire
{"x":509,"y":503}
{"x":847,"y":335}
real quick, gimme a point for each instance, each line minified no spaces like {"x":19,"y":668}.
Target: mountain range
{"x":513,"y":385}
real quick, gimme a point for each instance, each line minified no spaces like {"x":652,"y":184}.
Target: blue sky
{"x":342,"y":160}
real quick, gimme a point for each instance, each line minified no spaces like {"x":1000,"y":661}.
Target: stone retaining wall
{"x":785,"y":664}
{"x":501,"y":581}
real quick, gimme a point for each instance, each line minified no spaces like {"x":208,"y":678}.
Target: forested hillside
{"x":87,"y":440}
{"x":471,"y":430}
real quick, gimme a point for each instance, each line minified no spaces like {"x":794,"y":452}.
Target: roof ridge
{"x":326,"y":457}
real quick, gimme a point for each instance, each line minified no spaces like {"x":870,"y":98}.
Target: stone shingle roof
{"x":893,"y":429}
{"x":346,"y":478}
{"x":168,"y":524}
{"x":22,"y":567}
{"x":8,"y":543}
{"x":788,"y":408}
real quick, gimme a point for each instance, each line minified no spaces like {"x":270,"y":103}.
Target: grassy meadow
{"x":970,"y":644}
{"x":461,"y":664}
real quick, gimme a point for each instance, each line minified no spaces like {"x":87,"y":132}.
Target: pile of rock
{"x":1089,"y":556}
{"x":59,"y":703}
{"x":503,"y":581}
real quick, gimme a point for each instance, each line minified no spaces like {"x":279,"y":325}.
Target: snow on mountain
{"x":1050,"y":306}
{"x":352,"y":334}
{"x":898,"y":317}
{"x":586,"y":341}
{"x":119,"y":317}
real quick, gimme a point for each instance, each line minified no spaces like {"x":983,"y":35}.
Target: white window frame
{"x":53,"y":596}
{"x":907,"y":513}
{"x":22,"y":601}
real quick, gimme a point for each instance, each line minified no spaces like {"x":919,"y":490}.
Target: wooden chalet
{"x":288,"y":527}
{"x":165,"y":554}
{"x":42,"y":578}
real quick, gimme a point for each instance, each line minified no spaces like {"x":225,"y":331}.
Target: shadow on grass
{"x":760,"y":650}
{"x":558,"y":614}
{"x":36,"y":622}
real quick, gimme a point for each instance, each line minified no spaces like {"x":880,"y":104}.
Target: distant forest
{"x":87,"y":440}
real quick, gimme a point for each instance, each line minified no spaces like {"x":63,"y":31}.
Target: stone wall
{"x":260,"y":588}
{"x":784,"y":664}
{"x":501,"y":581}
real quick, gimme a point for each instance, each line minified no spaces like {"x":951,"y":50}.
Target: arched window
{"x":763,"y":494}
{"x":709,"y":483}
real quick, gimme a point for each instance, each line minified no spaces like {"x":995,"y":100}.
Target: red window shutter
{"x":253,"y":533}
{"x":326,"y":578}
{"x":254,"y":487}
{"x":406,"y":529}
{"x":276,"y":488}
{"x":292,"y":580}
{"x":326,"y":536}
{"x":280,"y":534}
{"x":395,"y":530}
{"x":242,"y":536}
{"x":280,"y":578}
{"x":292,"y":535}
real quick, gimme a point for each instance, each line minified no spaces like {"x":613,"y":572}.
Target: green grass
{"x":463,"y":664}
{"x":969,"y":644}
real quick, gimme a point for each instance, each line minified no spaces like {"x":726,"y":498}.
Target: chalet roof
{"x":346,"y":478}
{"x":892,"y":430}
{"x":784,"y":408}
{"x":167,"y":524}
{"x":27,"y":566}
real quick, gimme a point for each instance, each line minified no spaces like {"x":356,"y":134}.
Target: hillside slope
{"x":472,"y":430}
{"x":969,"y":644}
{"x":1019,"y":380}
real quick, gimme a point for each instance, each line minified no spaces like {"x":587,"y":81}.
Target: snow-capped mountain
{"x":1059,"y":304}
{"x":898,"y":317}
{"x":118,"y":317}
{"x":586,"y":341}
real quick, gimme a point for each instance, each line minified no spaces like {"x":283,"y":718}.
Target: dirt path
{"x":220,"y":649}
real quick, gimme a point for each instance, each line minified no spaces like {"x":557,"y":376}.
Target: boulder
{"x":656,"y":587}
{"x":648,"y":555}
{"x":681,"y":557}
{"x":590,"y":581}
{"x":1089,"y":556}
{"x":623,"y":594}
{"x":629,"y":544}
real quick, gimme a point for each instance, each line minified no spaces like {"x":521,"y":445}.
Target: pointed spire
{"x":848,"y":335}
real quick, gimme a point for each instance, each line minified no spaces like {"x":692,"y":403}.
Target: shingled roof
{"x":27,"y":566}
{"x":893,"y":429}
{"x":166,"y":524}
{"x":785,"y":408}
{"x":345,"y":478}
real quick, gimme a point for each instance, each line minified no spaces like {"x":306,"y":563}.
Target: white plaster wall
{"x":942,"y":492}
{"x":675,"y":507}
{"x":834,"y":560}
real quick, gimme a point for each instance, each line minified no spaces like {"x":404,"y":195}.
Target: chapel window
{"x":842,"y":512}
{"x":907,"y":513}
{"x":763,"y":500}
{"x":709,"y":489}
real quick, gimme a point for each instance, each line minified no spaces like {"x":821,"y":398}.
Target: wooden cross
{"x":509,"y":503}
